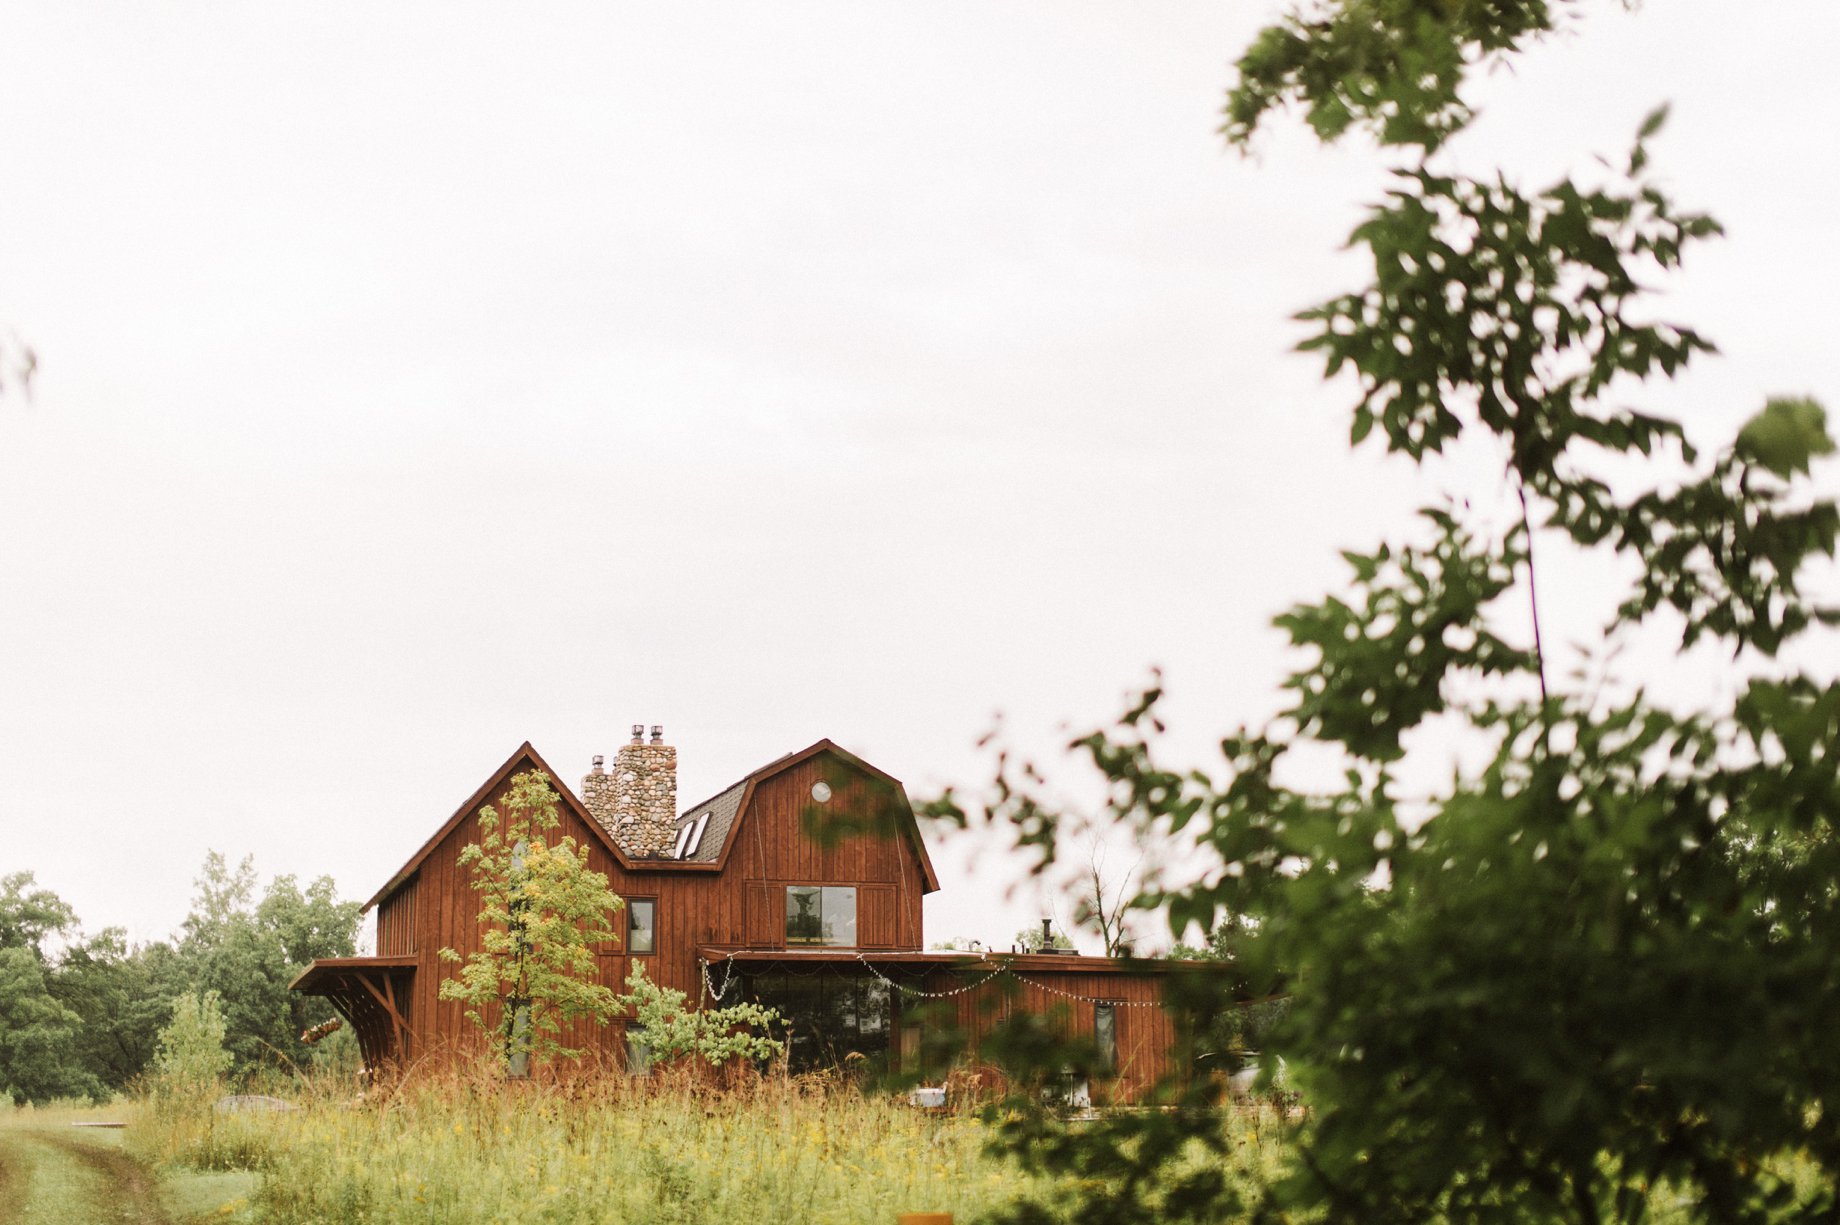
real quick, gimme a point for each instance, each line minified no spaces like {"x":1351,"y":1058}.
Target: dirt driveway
{"x":54,"y":1177}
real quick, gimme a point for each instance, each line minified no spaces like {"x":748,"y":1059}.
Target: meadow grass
{"x":609,"y":1150}
{"x":452,"y":1150}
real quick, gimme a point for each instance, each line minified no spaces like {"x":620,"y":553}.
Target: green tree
{"x":247,"y":951}
{"x":222,"y":951}
{"x":1232,"y":1027}
{"x":303,"y":924}
{"x":29,"y":916}
{"x":671,"y":1029}
{"x":40,"y":1038}
{"x":542,"y":914}
{"x":1595,"y":970}
{"x":39,"y":1055}
{"x":121,"y":996}
{"x":190,"y":1058}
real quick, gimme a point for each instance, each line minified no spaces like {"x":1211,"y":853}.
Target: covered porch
{"x":850,"y":1007}
{"x":921,"y":1013}
{"x":372,"y":994}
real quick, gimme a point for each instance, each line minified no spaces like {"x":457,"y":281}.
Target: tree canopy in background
{"x":39,"y":1035}
{"x":1594,"y":972}
{"x":248,"y":951}
{"x":79,"y":1015}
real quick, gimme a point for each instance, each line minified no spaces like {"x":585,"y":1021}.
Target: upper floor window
{"x":641,"y":925}
{"x":821,"y":914}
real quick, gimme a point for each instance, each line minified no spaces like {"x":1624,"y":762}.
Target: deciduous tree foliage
{"x":190,"y":1059}
{"x":41,"y":1037}
{"x":123,"y":996}
{"x":672,"y":1029}
{"x":542,"y":912}
{"x":79,"y":1014}
{"x":248,"y":951}
{"x":39,"y":1059}
{"x":1599,"y":969}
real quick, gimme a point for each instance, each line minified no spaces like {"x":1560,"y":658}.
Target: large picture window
{"x":827,"y":1019}
{"x":821,"y":914}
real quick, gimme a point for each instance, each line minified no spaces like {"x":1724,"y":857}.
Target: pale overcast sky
{"x":420,"y":379}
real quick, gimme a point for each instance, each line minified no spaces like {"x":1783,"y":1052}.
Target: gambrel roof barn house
{"x":799,"y":886}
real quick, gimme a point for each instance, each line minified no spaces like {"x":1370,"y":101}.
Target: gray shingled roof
{"x":721,"y":808}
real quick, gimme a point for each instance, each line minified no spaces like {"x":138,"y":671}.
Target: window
{"x":641,"y":925}
{"x":1105,"y":1035}
{"x":638,"y":1054}
{"x":519,"y":1066}
{"x":829,"y":1021}
{"x":821,"y":914}
{"x":690,"y":837}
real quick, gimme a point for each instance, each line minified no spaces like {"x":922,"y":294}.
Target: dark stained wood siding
{"x":396,"y":927}
{"x":766,"y":916}
{"x":772,"y":849}
{"x":1147,"y":1036}
{"x":744,"y":905}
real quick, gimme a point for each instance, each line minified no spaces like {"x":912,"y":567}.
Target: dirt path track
{"x":121,"y":1190}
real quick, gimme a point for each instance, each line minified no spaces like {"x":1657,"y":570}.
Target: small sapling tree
{"x":190,"y":1058}
{"x":673,"y":1030}
{"x":541,"y":914}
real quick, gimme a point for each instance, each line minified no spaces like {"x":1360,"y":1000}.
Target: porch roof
{"x":938,"y":960}
{"x":328,"y":972}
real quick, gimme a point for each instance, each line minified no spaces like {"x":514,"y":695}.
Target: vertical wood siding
{"x":396,"y":928}
{"x":773,"y":850}
{"x":742,"y":906}
{"x":1147,"y":1036}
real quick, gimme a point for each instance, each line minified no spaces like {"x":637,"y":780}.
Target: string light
{"x":728,"y":980}
{"x":930,"y":995}
{"x":1084,"y":999}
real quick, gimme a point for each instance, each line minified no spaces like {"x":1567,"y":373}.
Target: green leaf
{"x":1653,"y":122}
{"x":1786,"y":436}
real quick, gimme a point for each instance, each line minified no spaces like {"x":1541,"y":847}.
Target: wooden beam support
{"x":389,"y":1006}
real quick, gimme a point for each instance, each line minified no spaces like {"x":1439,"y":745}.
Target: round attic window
{"x":821,"y":791}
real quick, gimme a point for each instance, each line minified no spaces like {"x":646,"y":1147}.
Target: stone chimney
{"x":636,"y":801}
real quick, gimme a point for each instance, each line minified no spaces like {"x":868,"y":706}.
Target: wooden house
{"x":799,"y":886}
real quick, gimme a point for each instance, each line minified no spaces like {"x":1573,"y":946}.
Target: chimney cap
{"x":600,"y":762}
{"x":638,"y":733}
{"x":657,"y":733}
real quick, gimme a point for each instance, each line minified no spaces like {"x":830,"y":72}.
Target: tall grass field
{"x":613,"y":1151}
